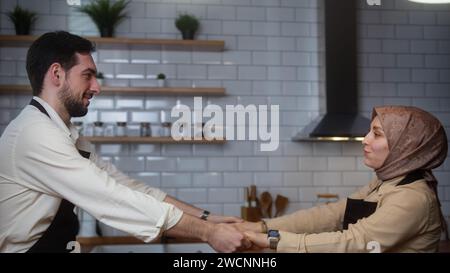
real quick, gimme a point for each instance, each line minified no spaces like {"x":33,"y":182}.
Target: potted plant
{"x":22,"y":19}
{"x":161,"y":77}
{"x":100,"y":78}
{"x":105,"y":15}
{"x":188,"y":25}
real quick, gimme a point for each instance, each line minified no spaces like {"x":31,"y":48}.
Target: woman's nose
{"x":365,"y":140}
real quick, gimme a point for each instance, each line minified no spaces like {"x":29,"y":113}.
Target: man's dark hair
{"x":54,"y":47}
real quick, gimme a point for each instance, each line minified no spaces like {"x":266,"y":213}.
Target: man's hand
{"x":224,"y":219}
{"x":226,"y":238}
{"x":249,"y":226}
{"x":258,"y":239}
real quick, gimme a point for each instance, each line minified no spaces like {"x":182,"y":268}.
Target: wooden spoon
{"x":266,"y":204}
{"x":281,"y":203}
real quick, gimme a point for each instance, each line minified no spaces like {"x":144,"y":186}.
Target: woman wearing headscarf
{"x":399,"y":211}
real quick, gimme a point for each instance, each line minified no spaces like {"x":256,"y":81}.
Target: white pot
{"x":161,"y":83}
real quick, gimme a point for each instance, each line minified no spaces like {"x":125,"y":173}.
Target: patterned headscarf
{"x":416,"y":140}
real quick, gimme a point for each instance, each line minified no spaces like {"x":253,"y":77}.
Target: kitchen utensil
{"x":253,"y":199}
{"x":281,"y":203}
{"x":266,"y":204}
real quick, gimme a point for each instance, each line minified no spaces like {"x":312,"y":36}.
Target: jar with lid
{"x":79,"y":126}
{"x":166,"y":129}
{"x":98,"y":128}
{"x":121,"y":129}
{"x":146,"y":130}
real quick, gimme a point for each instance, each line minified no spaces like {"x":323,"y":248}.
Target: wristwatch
{"x":274,"y":237}
{"x":204,"y":215}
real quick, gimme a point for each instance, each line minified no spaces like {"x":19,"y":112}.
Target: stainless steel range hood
{"x":341,"y":122}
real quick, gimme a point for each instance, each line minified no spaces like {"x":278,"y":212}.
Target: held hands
{"x":226,"y":238}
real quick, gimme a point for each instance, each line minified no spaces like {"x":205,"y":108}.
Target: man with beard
{"x":46,"y":170}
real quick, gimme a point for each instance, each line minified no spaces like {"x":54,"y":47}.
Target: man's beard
{"x":74,"y":106}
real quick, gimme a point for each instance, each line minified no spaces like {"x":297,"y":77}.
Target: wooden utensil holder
{"x":251,"y":214}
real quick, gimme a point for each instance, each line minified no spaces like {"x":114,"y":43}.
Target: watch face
{"x":273,"y":233}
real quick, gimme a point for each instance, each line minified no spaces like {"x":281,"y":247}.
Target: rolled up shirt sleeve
{"x":51,"y":164}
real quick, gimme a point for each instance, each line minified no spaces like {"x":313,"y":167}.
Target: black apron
{"x":64,"y":227}
{"x":357,"y":208}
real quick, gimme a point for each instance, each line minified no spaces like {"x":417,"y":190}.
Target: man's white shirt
{"x":40,"y":165}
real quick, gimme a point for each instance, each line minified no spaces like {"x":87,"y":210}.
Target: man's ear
{"x":57,"y":74}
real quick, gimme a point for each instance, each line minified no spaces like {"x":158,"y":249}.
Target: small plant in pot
{"x":161,"y":77}
{"x":106,"y":15}
{"x":188,"y":25}
{"x":22,"y":19}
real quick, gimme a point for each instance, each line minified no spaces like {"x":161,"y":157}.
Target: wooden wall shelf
{"x":140,"y":140}
{"x":169,"y":91}
{"x":212,"y":45}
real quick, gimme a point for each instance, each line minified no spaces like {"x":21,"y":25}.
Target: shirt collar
{"x":71,"y":131}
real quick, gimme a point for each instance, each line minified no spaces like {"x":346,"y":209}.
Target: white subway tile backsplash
{"x":191,"y":164}
{"x":283,"y":163}
{"x":266,"y":28}
{"x":217,"y":72}
{"x":309,"y":194}
{"x":252,"y":164}
{"x":295,"y":58}
{"x":266,"y":58}
{"x":423,"y":46}
{"x":295,"y":29}
{"x":341,"y":163}
{"x":145,"y":149}
{"x":210,"y":179}
{"x":222,"y":195}
{"x":236,"y":28}
{"x":160,"y":164}
{"x":157,"y":10}
{"x":176,"y":180}
{"x":192,"y":195}
{"x":177,"y":150}
{"x":191,"y":71}
{"x":128,"y":163}
{"x":221,"y":12}
{"x":222,"y":164}
{"x":280,"y":14}
{"x":237,"y":179}
{"x":297,"y":179}
{"x":282,"y":73}
{"x":236,"y":58}
{"x":208,"y":150}
{"x":327,"y":179}
{"x":266,"y":179}
{"x":267,"y":88}
{"x":422,"y":17}
{"x":169,"y":57}
{"x":252,"y":73}
{"x":280,"y":43}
